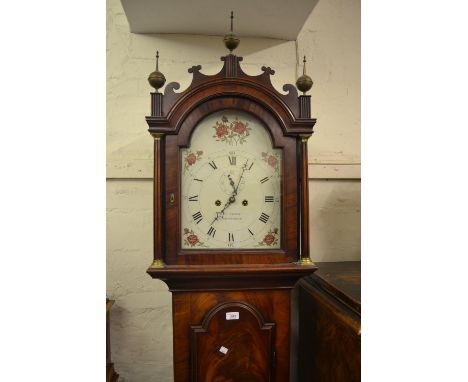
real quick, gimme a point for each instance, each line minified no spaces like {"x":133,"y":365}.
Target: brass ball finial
{"x":156,"y":79}
{"x":231,"y":41}
{"x":304,"y":83}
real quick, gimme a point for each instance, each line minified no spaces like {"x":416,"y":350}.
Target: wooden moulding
{"x":231,"y":276}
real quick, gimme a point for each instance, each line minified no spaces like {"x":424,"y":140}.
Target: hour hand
{"x":218,"y":215}
{"x":231,"y":200}
{"x":231,"y":182}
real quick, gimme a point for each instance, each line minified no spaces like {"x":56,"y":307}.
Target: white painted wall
{"x":141,"y":326}
{"x":331,"y":41}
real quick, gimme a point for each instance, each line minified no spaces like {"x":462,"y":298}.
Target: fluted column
{"x":304,"y":198}
{"x":158,"y":233}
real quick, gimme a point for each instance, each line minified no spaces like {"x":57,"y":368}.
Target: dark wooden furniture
{"x":111,"y":375}
{"x":330,"y":324}
{"x":209,"y":286}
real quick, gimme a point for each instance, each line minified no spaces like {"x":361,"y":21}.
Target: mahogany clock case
{"x":208,"y":285}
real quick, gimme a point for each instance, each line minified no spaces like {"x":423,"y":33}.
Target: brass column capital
{"x":304,"y":137}
{"x":157,"y":136}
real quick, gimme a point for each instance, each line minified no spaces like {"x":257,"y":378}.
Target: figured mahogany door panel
{"x":190,"y":310}
{"x":233,"y":344}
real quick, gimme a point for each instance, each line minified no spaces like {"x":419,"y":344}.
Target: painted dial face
{"x":231,"y":185}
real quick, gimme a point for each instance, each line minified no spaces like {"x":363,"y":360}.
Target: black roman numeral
{"x":198,"y":180}
{"x":231,"y":237}
{"x":251,"y":166}
{"x":213,"y":165}
{"x":264,"y":217}
{"x":232,"y":160}
{"x":211,"y":232}
{"x":269,"y":199}
{"x":250,"y":232}
{"x":194,"y":198}
{"x":197,"y":217}
{"x":265,"y":179}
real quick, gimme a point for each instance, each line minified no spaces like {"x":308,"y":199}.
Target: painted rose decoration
{"x":231,"y":132}
{"x":239,"y":128}
{"x":191,"y":158}
{"x":272,"y":160}
{"x":190,"y":239}
{"x":221,"y":131}
{"x":271,"y":238}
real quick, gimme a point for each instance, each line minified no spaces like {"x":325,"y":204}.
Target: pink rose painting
{"x":191,"y":239}
{"x":221,"y":131}
{"x":271,"y":238}
{"x":272,"y":160}
{"x":239,"y":128}
{"x":191,"y":158}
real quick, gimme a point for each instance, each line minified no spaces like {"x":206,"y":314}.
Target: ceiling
{"x":277,"y":19}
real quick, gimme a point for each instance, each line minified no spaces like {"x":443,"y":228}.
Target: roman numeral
{"x":211,"y":232}
{"x":194,"y":198}
{"x":213,"y":165}
{"x":197,"y":217}
{"x":265,"y":179}
{"x":232,"y":160}
{"x":198,"y":180}
{"x":246,"y":165}
{"x":231,"y":237}
{"x":264,"y":217}
{"x":269,"y":199}
{"x":250,"y":232}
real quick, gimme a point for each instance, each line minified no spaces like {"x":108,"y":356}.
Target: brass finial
{"x":304,"y":83}
{"x":231,"y":41}
{"x":156,"y":78}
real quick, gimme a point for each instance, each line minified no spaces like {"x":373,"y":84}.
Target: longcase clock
{"x":231,"y":219}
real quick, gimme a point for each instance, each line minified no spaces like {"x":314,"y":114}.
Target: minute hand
{"x":240,"y":178}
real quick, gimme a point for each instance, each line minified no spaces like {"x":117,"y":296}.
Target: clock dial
{"x":231,"y":185}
